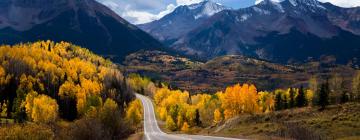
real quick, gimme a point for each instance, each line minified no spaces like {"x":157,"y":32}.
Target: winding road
{"x":153,"y":132}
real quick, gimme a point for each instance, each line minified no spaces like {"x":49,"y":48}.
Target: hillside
{"x":216,"y":74}
{"x":59,"y":90}
{"x":337,"y":122}
{"x":83,"y":22}
{"x":291,"y":31}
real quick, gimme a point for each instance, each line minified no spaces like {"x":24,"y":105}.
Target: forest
{"x":59,"y":90}
{"x":182,"y":111}
{"x":62,"y":91}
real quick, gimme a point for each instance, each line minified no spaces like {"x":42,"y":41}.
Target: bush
{"x":170,"y":124}
{"x":29,"y":131}
{"x":103,"y":123}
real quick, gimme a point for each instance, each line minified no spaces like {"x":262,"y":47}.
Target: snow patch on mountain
{"x":293,"y":2}
{"x":261,"y":11}
{"x":207,"y":9}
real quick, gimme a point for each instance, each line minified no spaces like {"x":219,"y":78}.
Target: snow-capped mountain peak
{"x":182,"y":20}
{"x":206,"y":9}
{"x":273,"y":4}
{"x":311,"y":3}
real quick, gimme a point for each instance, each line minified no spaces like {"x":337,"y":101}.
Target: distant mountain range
{"x":286,"y":32}
{"x":82,"y":22}
{"x":181,"y":21}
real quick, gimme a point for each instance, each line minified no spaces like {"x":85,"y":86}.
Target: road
{"x":153,"y":132}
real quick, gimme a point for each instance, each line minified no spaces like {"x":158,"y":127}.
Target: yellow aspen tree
{"x":162,"y":113}
{"x":134,"y":112}
{"x":180,"y":120}
{"x":185,"y":127}
{"x":42,"y":108}
{"x":170,"y":124}
{"x":217,"y":116}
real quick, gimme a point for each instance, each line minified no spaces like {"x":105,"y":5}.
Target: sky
{"x":143,"y":11}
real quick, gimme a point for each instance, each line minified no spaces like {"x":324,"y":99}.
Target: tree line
{"x":181,"y":111}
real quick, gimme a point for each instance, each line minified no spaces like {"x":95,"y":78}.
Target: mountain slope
{"x":182,"y":20}
{"x":83,"y":22}
{"x":290,"y":31}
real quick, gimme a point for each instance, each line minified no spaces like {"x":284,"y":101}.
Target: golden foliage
{"x":134,"y":113}
{"x":41,"y":108}
{"x":217,"y":116}
{"x":185,"y":127}
{"x":170,"y":124}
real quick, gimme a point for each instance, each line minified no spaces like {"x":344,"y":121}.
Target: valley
{"x":179,"y":69}
{"x":214,"y":75}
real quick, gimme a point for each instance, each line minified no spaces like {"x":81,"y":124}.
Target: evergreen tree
{"x":344,"y":97}
{"x":344,"y":93}
{"x":292,"y":98}
{"x":197,"y":117}
{"x":278,"y":102}
{"x":301,"y":99}
{"x":284,"y":101}
{"x":324,"y":95}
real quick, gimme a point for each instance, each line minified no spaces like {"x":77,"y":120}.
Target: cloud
{"x":258,"y":1}
{"x":343,"y":3}
{"x":140,"y":17}
{"x":187,"y":2}
{"x":143,"y":11}
{"x":137,"y":11}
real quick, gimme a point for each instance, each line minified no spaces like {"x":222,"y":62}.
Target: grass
{"x":6,"y":121}
{"x":136,"y":136}
{"x":336,"y":122}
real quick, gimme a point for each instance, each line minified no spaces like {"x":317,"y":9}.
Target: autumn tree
{"x":68,"y":92}
{"x":336,"y":88}
{"x":134,"y":112}
{"x":41,"y":108}
{"x":356,"y":87}
{"x":266,"y":101}
{"x":170,"y":124}
{"x":217,"y":116}
{"x":314,"y":87}
{"x":185,"y":127}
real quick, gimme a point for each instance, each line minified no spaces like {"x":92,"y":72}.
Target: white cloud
{"x":258,"y":1}
{"x":137,"y":16}
{"x":187,"y":2}
{"x":344,"y":3}
{"x":140,"y":17}
{"x":143,"y":11}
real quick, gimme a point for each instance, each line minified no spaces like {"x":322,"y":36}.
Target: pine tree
{"x":344,"y":97}
{"x":344,"y":93}
{"x":292,"y":98}
{"x":278,"y":102}
{"x":197,"y":117}
{"x":324,"y":95}
{"x":301,"y":99}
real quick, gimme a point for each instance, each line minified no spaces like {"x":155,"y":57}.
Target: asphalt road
{"x":153,"y":132}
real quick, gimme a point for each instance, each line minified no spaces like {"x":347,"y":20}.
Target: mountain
{"x":82,"y":22}
{"x":285,"y":32}
{"x":182,"y":20}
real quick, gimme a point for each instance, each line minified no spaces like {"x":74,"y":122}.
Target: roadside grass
{"x":336,"y":122}
{"x":136,"y":136}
